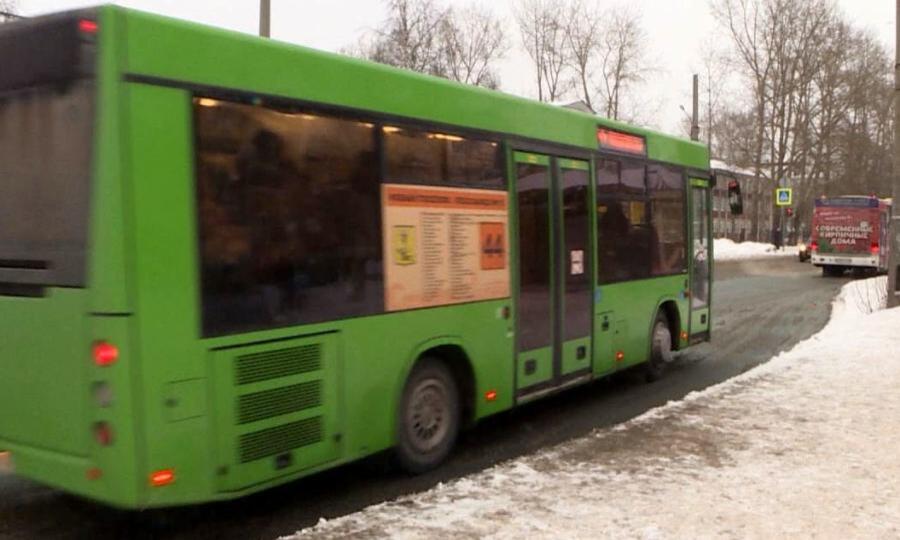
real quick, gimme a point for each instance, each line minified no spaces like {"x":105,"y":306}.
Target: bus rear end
{"x":847,"y":234}
{"x":61,"y":415}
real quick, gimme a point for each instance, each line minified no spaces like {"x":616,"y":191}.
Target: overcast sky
{"x":677,"y":30}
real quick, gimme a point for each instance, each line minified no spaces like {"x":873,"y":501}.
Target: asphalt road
{"x":761,"y":307}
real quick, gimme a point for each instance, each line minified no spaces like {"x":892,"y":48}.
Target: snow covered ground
{"x":729,"y":250}
{"x":806,"y":445}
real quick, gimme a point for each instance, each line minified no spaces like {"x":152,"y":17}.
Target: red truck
{"x":850,"y":232}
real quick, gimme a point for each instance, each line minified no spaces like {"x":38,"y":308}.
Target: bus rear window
{"x":45,"y":157}
{"x":46,"y":127}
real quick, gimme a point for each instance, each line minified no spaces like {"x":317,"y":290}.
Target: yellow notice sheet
{"x":443,"y":245}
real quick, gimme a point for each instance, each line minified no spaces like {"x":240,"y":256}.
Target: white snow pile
{"x":725,"y":249}
{"x":805,"y":445}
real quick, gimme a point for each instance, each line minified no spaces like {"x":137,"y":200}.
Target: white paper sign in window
{"x":577,"y":262}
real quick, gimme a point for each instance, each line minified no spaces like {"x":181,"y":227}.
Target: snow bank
{"x":725,"y":249}
{"x":805,"y":445}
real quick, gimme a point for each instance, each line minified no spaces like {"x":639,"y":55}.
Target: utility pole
{"x":265,"y":18}
{"x":695,"y":113}
{"x":893,"y":288}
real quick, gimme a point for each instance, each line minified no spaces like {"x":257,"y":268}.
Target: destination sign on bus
{"x":609,"y":139}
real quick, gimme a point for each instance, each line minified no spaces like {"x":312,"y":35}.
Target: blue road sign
{"x":783,"y":197}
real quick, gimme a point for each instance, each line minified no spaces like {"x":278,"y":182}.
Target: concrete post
{"x":265,"y":18}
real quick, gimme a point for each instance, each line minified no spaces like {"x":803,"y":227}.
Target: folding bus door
{"x":553,"y":298}
{"x":701,"y":258}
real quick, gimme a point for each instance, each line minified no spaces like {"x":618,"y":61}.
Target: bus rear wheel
{"x":429,"y":417}
{"x":661,"y":352}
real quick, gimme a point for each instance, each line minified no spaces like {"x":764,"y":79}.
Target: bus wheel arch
{"x":436,"y":401}
{"x":670,"y":309}
{"x":664,"y":334}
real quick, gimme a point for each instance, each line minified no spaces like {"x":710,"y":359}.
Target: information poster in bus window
{"x":444,"y":245}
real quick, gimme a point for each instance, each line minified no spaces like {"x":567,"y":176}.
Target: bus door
{"x":701,"y":257}
{"x":553,"y":296}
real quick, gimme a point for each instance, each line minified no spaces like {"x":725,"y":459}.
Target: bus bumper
{"x":836,"y":260}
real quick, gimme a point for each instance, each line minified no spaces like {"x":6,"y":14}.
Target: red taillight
{"x":875,"y":249}
{"x":814,"y":246}
{"x":162,"y":478}
{"x":94,"y":473}
{"x":684,"y":335}
{"x":105,"y":354}
{"x":620,"y":356}
{"x":103,"y":434}
{"x":490,"y":395}
{"x":88,"y":26}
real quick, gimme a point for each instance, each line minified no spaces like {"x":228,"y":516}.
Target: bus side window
{"x":420,"y":157}
{"x":623,"y":230}
{"x":290,"y":223}
{"x":667,"y":243}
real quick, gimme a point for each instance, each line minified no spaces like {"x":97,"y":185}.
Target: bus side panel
{"x":634,"y":306}
{"x":161,"y":166}
{"x":380,"y":351}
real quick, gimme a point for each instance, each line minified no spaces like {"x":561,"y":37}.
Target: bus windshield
{"x":45,"y":160}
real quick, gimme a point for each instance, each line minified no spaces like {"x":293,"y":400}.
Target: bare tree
{"x":583,"y":35}
{"x":543,"y":31}
{"x":472,"y":41}
{"x":461,"y":44}
{"x":7,"y":10}
{"x":622,"y":57}
{"x":821,"y":107}
{"x":409,"y":38}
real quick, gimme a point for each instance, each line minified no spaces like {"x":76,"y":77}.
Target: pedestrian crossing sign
{"x":783,"y":197}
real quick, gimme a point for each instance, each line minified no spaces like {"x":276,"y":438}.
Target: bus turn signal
{"x":161,"y":478}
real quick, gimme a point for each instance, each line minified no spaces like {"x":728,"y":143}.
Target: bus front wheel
{"x":429,"y":417}
{"x":660,"y":349}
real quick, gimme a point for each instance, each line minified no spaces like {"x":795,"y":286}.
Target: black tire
{"x":428,"y":421}
{"x":660,"y":348}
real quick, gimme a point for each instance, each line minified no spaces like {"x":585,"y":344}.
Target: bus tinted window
{"x":620,"y":176}
{"x":421,"y":157}
{"x":290,"y":226}
{"x":667,"y":237}
{"x":623,"y":229}
{"x":534,"y":265}
{"x":45,"y":169}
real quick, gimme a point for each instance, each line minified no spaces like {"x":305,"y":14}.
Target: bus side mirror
{"x":735,"y":200}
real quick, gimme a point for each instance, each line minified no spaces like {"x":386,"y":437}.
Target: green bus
{"x":229,"y":262}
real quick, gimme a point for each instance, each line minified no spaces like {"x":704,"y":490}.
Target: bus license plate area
{"x":6,"y":463}
{"x":843,"y":261}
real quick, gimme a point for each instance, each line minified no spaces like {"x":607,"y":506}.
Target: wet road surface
{"x":761,"y":307}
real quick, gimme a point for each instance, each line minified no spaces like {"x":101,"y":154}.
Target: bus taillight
{"x":875,"y":249}
{"x":814,"y":246}
{"x":105,"y":354}
{"x":88,"y":26}
{"x":103,"y":434}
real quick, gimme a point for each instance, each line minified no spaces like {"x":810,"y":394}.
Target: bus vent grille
{"x":279,"y":401}
{"x":280,"y":439}
{"x":262,"y":366}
